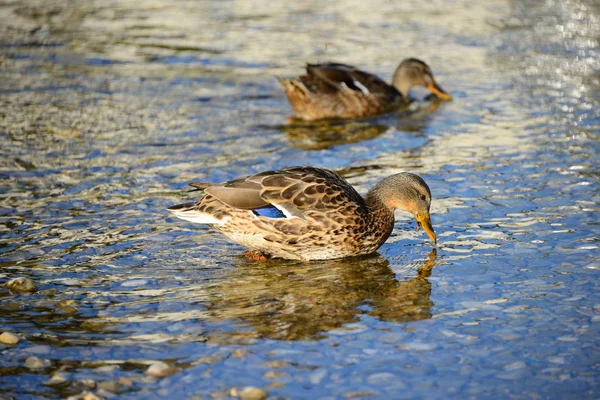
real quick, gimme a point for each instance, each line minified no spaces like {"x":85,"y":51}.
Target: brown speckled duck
{"x":308,"y":213}
{"x":333,"y":90}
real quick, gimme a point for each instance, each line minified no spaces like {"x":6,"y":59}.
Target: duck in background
{"x":332,"y":90}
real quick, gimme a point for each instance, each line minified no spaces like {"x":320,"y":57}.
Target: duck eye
{"x":423,"y":197}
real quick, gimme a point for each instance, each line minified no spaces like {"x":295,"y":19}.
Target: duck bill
{"x":424,"y":221}
{"x":439,"y":92}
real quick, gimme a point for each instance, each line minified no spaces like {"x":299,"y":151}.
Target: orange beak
{"x":439,"y":92}
{"x":424,"y":221}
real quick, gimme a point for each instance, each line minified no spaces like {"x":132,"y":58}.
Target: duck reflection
{"x":325,"y":134}
{"x":294,"y":301}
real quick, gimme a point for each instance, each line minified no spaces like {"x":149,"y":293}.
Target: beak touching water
{"x":439,"y":92}
{"x":424,"y":221}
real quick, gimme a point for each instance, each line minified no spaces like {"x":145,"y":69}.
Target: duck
{"x":340,"y":91}
{"x":308,"y":213}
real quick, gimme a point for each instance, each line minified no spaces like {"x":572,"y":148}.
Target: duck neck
{"x":401,"y":82}
{"x":381,"y":217}
{"x":402,"y":86}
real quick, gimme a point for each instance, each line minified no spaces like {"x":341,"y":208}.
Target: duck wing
{"x":295,"y":191}
{"x":341,"y":76}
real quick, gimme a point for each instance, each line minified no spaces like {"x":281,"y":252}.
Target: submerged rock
{"x":110,"y":386}
{"x":56,"y":379}
{"x":67,"y":306}
{"x":125,"y":382}
{"x":240,"y":353}
{"x":9,"y":338}
{"x":160,"y":370}
{"x":34,"y":362}
{"x":90,"y":396}
{"x":21,"y":285}
{"x":85,"y":384}
{"x":84,"y":396}
{"x":249,"y":393}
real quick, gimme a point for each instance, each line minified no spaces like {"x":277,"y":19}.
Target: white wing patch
{"x":198,"y":217}
{"x":362,"y":87}
{"x":283,"y":210}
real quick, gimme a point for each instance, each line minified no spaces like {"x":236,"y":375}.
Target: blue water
{"x":109,"y":111}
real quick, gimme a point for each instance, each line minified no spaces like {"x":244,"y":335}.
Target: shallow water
{"x":108,"y":110}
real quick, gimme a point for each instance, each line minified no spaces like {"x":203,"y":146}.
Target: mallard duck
{"x":308,"y":213}
{"x":333,"y":90}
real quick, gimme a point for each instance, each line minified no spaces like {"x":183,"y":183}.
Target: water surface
{"x":109,"y":109}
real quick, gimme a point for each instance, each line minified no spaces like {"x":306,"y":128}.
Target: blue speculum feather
{"x":269,"y":212}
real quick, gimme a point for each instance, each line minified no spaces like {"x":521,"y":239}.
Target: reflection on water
{"x":325,"y":134}
{"x":279,"y":300}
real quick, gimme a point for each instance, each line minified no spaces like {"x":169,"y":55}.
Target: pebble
{"x":105,"y":394}
{"x":85,"y":383}
{"x":105,"y":369}
{"x":67,"y":306}
{"x":160,"y":370}
{"x":9,"y":338}
{"x":249,"y":393}
{"x":90,"y":396}
{"x":125,"y":382}
{"x":220,"y":396}
{"x":56,"y":379}
{"x":273,"y":374}
{"x":111,"y":386}
{"x":209,"y":359}
{"x":240,"y":353}
{"x":34,"y":362}
{"x":277,"y":364}
{"x":21,"y":285}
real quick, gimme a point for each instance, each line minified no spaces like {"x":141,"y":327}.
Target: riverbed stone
{"x":34,"y":362}
{"x":125,"y":382}
{"x":240,"y":353}
{"x":9,"y":338}
{"x":111,"y":386}
{"x":56,"y":379}
{"x":90,"y":396}
{"x":67,"y":306}
{"x":160,"y":370}
{"x":21,"y":285}
{"x":249,"y":393}
{"x":85,"y":384}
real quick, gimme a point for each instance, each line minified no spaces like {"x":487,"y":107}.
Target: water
{"x":108,"y":110}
